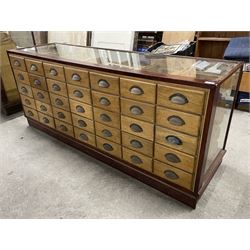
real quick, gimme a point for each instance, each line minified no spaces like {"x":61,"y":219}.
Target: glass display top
{"x":200,"y":69}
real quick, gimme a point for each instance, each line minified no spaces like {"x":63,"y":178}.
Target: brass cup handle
{"x":53,"y":72}
{"x":27,"y":101}
{"x":173,"y":140}
{"x":17,"y":63}
{"x":40,"y":95}
{"x":172,"y":158}
{"x":76,"y":77}
{"x":37,"y":82}
{"x":171,"y":175}
{"x":178,"y":98}
{"x":20,"y":77}
{"x":103,"y":83}
{"x":107,"y":147}
{"x":176,"y":120}
{"x":83,"y":137}
{"x":136,"y":144}
{"x":56,"y":87}
{"x":80,"y":109}
{"x":45,"y":120}
{"x":135,"y":159}
{"x":63,"y":128}
{"x":105,"y":118}
{"x":135,"y":110}
{"x":59,"y":102}
{"x":78,"y":94}
{"x":24,"y":90}
{"x":106,"y":133}
{"x":33,"y":67}
{"x":30,"y":113}
{"x":43,"y":108}
{"x":61,"y":115}
{"x":136,"y":128}
{"x":82,"y":123}
{"x":135,"y":90}
{"x":104,"y":101}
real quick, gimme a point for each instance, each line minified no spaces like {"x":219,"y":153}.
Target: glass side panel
{"x":223,"y":109}
{"x":207,"y":70}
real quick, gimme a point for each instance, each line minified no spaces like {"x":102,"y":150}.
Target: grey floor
{"x":41,"y":177}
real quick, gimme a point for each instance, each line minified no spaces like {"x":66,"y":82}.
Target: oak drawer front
{"x":190,"y":100}
{"x":44,"y":108}
{"x":182,"y":142}
{"x":137,"y":159}
{"x":17,"y":62}
{"x":46,"y":119}
{"x":81,"y":109}
{"x":64,"y":127}
{"x":27,"y":101}
{"x":21,"y":76}
{"x":34,"y":67}
{"x":31,"y":113}
{"x":77,"y":76}
{"x":38,"y":82}
{"x":109,"y":147}
{"x":173,"y":174}
{"x":108,"y":133}
{"x":54,"y":71}
{"x":62,"y":115}
{"x":105,"y":83}
{"x":137,"y":144}
{"x":59,"y":101}
{"x":41,"y":95}
{"x":174,"y":158}
{"x":177,"y":120}
{"x":25,"y":89}
{"x":56,"y":87}
{"x":79,"y":94}
{"x":137,"y":127}
{"x":84,"y":136}
{"x":106,"y":117}
{"x":106,"y":101}
{"x":83,"y":123}
{"x":138,"y":90}
{"x":138,"y":110}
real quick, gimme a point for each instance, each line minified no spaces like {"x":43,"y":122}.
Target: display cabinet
{"x":164,"y":121}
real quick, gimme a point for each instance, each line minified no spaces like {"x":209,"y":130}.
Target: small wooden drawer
{"x":81,"y":109}
{"x":41,"y":95}
{"x":106,"y":101}
{"x":46,"y":119}
{"x":137,"y":159}
{"x":175,"y":158}
{"x":190,"y":100}
{"x":27,"y":101}
{"x":109,"y":147}
{"x":182,"y":142}
{"x":17,"y":62}
{"x":83,"y":123}
{"x":84,"y":136}
{"x":25,"y":89}
{"x":34,"y":67}
{"x":54,"y":71}
{"x":108,"y":133}
{"x":106,"y":117}
{"x":31,"y":113}
{"x":59,"y":101}
{"x":177,"y":120}
{"x":105,"y":83}
{"x":38,"y":82}
{"x":79,"y":94}
{"x":173,"y":174}
{"x":56,"y":87}
{"x":138,"y":90}
{"x":62,"y":115}
{"x":64,"y":127}
{"x":77,"y":76}
{"x":21,"y":76}
{"x":138,"y":128}
{"x":138,"y":144}
{"x":44,"y":108}
{"x":138,"y":110}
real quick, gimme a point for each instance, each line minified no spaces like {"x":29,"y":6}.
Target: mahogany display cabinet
{"x":163,"y":120}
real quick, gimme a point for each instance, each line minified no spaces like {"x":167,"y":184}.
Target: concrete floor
{"x":41,"y":177}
